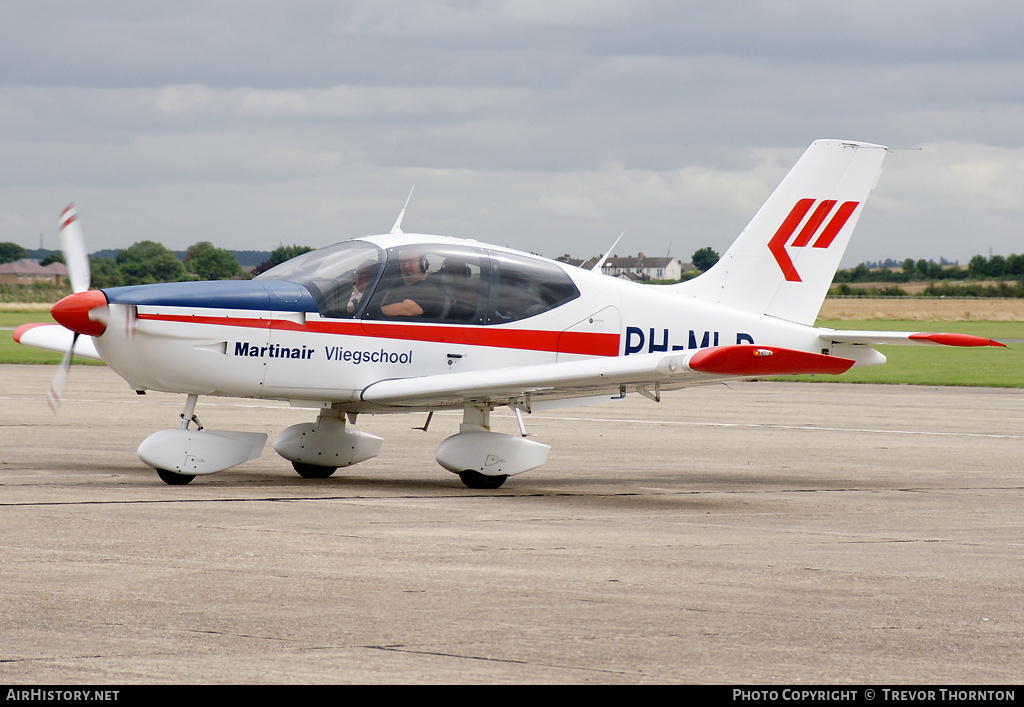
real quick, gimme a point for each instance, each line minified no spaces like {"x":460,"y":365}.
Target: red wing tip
{"x":955,"y":339}
{"x":752,"y":360}
{"x":20,"y":331}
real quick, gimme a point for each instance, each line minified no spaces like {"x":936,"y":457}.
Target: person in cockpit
{"x":415,"y":296}
{"x":364,"y":276}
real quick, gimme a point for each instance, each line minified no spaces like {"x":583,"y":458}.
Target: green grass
{"x":914,"y":365}
{"x":15,"y":318}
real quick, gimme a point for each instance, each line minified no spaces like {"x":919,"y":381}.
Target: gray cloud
{"x":547,"y":126}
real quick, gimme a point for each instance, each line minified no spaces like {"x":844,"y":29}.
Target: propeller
{"x":72,"y":241}
{"x":73,"y":312}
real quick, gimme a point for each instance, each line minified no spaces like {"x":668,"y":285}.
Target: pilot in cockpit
{"x":364,"y":276}
{"x":414,"y":296}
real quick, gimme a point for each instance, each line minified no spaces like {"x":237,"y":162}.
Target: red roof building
{"x":28,"y":272}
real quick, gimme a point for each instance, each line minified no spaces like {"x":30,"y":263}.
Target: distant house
{"x":576,"y":262}
{"x":643,"y":267}
{"x":28,"y":272}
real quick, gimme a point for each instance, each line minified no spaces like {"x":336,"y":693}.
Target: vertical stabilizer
{"x":784,"y":260}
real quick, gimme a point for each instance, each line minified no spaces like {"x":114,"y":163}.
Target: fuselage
{"x":293,"y":334}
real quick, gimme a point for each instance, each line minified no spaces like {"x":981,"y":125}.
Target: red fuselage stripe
{"x":523,"y":339}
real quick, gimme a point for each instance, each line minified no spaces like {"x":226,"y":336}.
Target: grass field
{"x":915,"y":365}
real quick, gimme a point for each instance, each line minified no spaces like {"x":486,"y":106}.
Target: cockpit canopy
{"x":451,"y":283}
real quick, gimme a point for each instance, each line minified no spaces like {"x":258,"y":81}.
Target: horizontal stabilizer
{"x":854,"y":336}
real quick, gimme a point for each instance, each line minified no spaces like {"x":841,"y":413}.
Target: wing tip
{"x":753,"y":360}
{"x":21,"y":330}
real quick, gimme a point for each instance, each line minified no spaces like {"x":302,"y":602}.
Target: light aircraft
{"x":402,"y":322}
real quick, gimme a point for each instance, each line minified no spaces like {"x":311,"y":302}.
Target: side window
{"x":340,"y":277}
{"x":524,"y":287}
{"x":432,"y":283}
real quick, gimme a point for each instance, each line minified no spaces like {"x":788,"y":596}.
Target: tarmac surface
{"x":752,"y":533}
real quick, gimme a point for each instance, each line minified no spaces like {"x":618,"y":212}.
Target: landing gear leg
{"x":478,"y":419}
{"x":189,"y":415}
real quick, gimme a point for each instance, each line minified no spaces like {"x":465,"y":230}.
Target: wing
{"x":54,"y":337}
{"x":854,"y":336}
{"x":645,"y":373}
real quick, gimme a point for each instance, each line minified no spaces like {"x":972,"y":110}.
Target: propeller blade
{"x":76,"y":259}
{"x":72,"y":242}
{"x":56,"y":393}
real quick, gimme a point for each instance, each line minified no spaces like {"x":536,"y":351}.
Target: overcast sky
{"x":550,"y":126}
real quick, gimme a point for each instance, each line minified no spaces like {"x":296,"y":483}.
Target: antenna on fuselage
{"x":397,"y":228}
{"x":599,"y":263}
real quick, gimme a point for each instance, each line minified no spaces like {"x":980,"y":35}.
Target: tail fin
{"x":784,"y":261}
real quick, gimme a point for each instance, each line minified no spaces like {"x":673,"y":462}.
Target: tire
{"x":173,"y":478}
{"x":312,"y":471}
{"x":476,"y":480}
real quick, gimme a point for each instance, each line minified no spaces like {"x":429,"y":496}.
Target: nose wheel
{"x":178,"y":455}
{"x":173,"y":478}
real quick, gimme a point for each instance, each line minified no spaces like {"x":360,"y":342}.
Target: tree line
{"x":978,"y":268}
{"x":147,"y":262}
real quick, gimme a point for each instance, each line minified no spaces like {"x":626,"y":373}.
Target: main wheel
{"x":476,"y":480}
{"x":312,"y":471}
{"x":173,"y":478}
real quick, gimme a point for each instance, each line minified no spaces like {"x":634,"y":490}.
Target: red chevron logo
{"x":777,"y":245}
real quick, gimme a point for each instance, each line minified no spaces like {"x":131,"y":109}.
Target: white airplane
{"x":402,"y":322}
